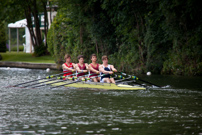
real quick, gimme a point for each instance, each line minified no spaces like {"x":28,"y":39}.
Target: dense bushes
{"x":160,"y":36}
{"x":40,"y":50}
{"x":2,"y":37}
{"x":21,"y":48}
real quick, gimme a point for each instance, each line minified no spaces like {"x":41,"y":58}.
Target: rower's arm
{"x":77,"y":68}
{"x":113,"y":69}
{"x":74,"y":65}
{"x":92,"y":69}
{"x":87,"y":66}
{"x":101,"y":69}
{"x":65,"y":67}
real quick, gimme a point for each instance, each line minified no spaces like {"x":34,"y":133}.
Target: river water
{"x":175,"y":109}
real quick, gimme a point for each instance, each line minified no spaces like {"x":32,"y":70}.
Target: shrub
{"x":39,"y":50}
{"x":21,"y":48}
{"x":2,"y":38}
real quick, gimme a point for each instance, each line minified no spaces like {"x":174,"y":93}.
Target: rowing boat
{"x":94,"y":85}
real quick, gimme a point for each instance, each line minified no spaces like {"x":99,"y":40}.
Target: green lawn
{"x":26,"y":57}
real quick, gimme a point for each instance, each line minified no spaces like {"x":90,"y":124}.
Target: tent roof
{"x":18,"y":24}
{"x":22,"y":23}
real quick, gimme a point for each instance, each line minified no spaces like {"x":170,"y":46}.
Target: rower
{"x":106,"y":69}
{"x":81,"y":67}
{"x":94,"y":68}
{"x":68,"y":66}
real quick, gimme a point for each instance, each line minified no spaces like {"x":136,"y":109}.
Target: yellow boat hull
{"x":92,"y":85}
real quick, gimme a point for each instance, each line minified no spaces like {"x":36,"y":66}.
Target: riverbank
{"x":26,"y":57}
{"x":29,"y":65}
{"x":26,"y":60}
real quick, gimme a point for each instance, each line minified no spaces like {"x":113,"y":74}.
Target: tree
{"x":2,"y":38}
{"x":30,"y":9}
{"x":160,"y":36}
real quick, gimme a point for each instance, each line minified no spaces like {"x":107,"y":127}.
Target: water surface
{"x":174,"y":109}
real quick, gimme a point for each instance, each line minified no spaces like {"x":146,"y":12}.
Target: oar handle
{"x":122,"y":73}
{"x":77,"y":80}
{"x":51,"y":76}
{"x":70,"y":82}
{"x":62,"y":77}
{"x":123,"y":78}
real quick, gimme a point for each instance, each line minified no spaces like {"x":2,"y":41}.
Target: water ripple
{"x":73,"y":111}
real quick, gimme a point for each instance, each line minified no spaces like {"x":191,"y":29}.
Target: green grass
{"x":25,"y":57}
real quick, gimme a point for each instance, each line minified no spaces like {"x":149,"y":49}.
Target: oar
{"x":47,"y":77}
{"x":122,"y":78}
{"x":146,"y":81}
{"x":73,"y":78}
{"x":122,"y":73}
{"x":54,"y":82}
{"x":136,"y":78}
{"x":61,"y":77}
{"x":77,"y":80}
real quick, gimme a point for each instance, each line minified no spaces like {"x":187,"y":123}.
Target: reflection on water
{"x":175,"y":109}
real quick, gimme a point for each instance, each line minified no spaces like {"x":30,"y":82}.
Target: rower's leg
{"x":112,"y":80}
{"x":95,"y":80}
{"x":106,"y":80}
{"x":81,"y":78}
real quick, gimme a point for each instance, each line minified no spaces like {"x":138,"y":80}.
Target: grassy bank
{"x":25,"y":57}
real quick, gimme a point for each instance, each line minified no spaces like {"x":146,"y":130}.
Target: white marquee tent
{"x":17,"y":25}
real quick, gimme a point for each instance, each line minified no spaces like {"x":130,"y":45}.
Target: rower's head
{"x":81,"y":59}
{"x":67,"y":58}
{"x":105,"y":59}
{"x":93,"y":57}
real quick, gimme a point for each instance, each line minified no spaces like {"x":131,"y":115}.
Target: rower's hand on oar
{"x":114,"y":70}
{"x":85,"y":71}
{"x":111,"y":72}
{"x":73,"y":70}
{"x":97,"y":72}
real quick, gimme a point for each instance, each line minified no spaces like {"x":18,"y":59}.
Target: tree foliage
{"x":2,"y":38}
{"x":30,"y":10}
{"x":138,"y":35}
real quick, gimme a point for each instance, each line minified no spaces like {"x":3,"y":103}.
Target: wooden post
{"x":9,"y":40}
{"x":17,"y":40}
{"x":30,"y":46}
